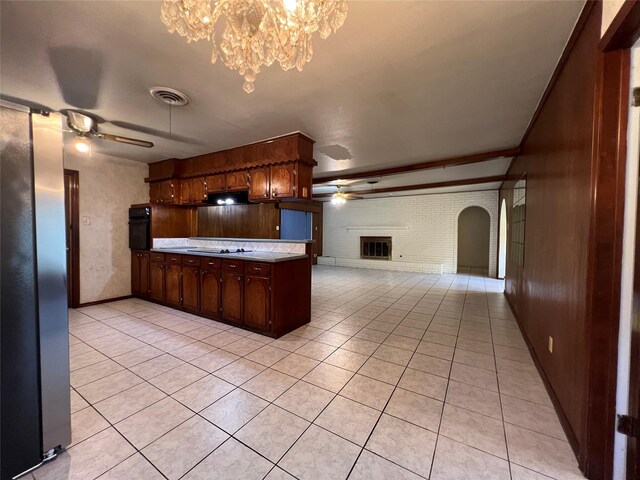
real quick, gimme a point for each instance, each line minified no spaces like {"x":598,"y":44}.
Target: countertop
{"x":253,"y":240}
{"x":271,"y":257}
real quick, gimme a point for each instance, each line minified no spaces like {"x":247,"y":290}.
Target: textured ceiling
{"x":401,"y":82}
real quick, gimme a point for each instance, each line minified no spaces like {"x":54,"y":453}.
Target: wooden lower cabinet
{"x":257,"y":302}
{"x":156,"y":281}
{"x":269,"y":298}
{"x":210,"y":293}
{"x":232,"y":294}
{"x":140,"y":273}
{"x":172,"y":285}
{"x":190,"y":285}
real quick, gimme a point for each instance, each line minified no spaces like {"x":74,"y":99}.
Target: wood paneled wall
{"x":568,"y":287}
{"x":239,"y":221}
{"x":168,"y":221}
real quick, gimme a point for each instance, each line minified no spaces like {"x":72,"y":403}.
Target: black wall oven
{"x":139,"y":226}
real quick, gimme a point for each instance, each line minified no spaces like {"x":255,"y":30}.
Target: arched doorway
{"x":502,"y":246}
{"x":473,"y":241}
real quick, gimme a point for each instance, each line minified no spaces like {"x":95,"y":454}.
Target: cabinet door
{"x":185,"y":192}
{"x":232,"y":287}
{"x":236,"y":181}
{"x":154,"y":192}
{"x":163,"y":192}
{"x":190,"y":288}
{"x":257,"y":303}
{"x":156,"y":281}
{"x":172,"y":284}
{"x":259,"y":184}
{"x":144,"y":273}
{"x":210,"y":293}
{"x":283,"y":180}
{"x":198,"y":190}
{"x":135,"y":273}
{"x":215,"y":183}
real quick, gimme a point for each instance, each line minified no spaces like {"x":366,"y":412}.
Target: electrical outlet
{"x":277,"y":227}
{"x":550,"y":344}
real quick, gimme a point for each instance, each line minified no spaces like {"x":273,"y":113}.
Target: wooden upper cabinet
{"x":193,"y":191}
{"x":237,"y":181}
{"x":162,"y":192}
{"x":283,"y":180}
{"x":259,"y":183}
{"x":257,"y":303}
{"x":215,"y":183}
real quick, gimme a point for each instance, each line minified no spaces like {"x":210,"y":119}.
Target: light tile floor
{"x":398,"y":376}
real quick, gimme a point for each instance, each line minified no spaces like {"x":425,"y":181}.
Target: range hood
{"x":228,"y":198}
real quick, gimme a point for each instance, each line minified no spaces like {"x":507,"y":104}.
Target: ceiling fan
{"x":85,"y":126}
{"x":340,"y":198}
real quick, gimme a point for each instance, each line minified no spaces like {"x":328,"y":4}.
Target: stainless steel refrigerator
{"x":35,"y":419}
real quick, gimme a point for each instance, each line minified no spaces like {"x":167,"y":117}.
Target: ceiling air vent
{"x":170,"y":96}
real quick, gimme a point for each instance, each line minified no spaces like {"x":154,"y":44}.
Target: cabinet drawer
{"x":190,"y":260}
{"x":174,"y":258}
{"x":157,"y":257}
{"x":235,"y":266}
{"x":253,"y":268}
{"x":210,"y":262}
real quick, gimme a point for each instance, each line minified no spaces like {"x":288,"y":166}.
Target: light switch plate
{"x":550,"y":344}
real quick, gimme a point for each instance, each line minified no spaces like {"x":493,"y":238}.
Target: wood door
{"x":210,"y":292}
{"x":259,"y":184}
{"x":72,"y":222}
{"x":257,"y":302}
{"x":283,"y":180}
{"x":236,"y":181}
{"x":215,"y":183}
{"x":144,"y":273}
{"x":135,"y":273}
{"x":191,"y":288}
{"x":172,"y":285}
{"x":232,"y":293}
{"x":156,"y":281}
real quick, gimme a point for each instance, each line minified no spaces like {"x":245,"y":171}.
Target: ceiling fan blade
{"x":127,"y":140}
{"x":78,"y":72}
{"x":155,"y":132}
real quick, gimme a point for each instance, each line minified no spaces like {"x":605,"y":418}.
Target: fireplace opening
{"x":376,"y":248}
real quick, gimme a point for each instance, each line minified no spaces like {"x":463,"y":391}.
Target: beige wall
{"x":609,"y":10}
{"x":473,"y":238}
{"x":108,"y":186}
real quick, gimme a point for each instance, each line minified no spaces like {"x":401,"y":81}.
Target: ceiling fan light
{"x":82,"y":145}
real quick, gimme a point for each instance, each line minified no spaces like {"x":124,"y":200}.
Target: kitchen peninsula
{"x":259,"y":285}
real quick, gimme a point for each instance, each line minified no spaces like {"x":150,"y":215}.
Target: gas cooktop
{"x":216,"y":250}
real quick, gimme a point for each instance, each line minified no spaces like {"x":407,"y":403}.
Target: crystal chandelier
{"x":255,"y":33}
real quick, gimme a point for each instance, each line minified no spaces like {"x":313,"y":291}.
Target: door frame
{"x":74,"y":176}
{"x":605,"y":249}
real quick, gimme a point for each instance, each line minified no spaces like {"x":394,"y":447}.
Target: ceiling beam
{"x":422,"y":186}
{"x":445,"y":162}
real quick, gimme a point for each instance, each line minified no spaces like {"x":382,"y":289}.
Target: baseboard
{"x":566,"y":426}
{"x":106,"y":300}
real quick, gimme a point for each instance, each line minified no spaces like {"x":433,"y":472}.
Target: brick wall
{"x":424,"y":230}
